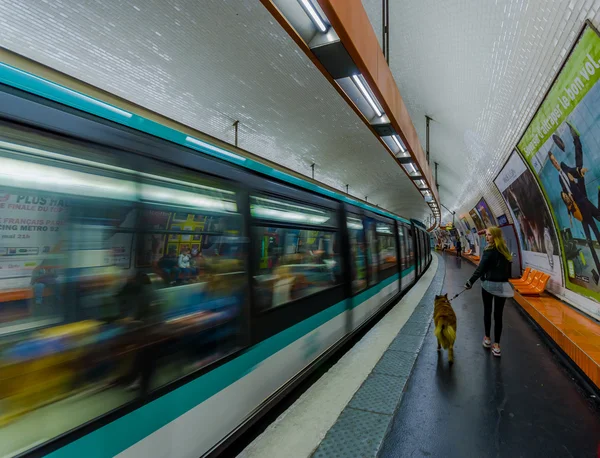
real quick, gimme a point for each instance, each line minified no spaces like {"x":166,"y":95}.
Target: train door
{"x":410,"y":254}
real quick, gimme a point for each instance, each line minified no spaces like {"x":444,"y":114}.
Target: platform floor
{"x":525,"y":404}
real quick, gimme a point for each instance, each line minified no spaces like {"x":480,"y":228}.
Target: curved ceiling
{"x":480,"y":70}
{"x":207,"y":64}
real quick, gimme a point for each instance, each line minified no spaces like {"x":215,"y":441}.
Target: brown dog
{"x":444,"y":319}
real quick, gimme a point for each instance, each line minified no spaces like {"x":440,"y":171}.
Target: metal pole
{"x":312,"y":166}
{"x":383,"y":27}
{"x":235,"y":127}
{"x":347,"y":190}
{"x":437,"y":185}
{"x":427,"y":119}
{"x":387,"y":31}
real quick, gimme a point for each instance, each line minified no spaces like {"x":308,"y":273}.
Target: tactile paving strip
{"x":361,"y":427}
{"x":356,"y":433}
{"x":381,"y":393}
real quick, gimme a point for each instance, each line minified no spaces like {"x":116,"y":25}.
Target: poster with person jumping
{"x":477,"y":220}
{"x":562,"y":144}
{"x":487,"y":217}
{"x":532,"y":220}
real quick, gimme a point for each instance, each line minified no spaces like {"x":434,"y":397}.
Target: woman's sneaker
{"x":487,"y":342}
{"x":496,"y":350}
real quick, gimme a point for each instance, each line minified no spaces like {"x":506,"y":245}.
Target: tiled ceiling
{"x":479,"y":69}
{"x":207,"y":64}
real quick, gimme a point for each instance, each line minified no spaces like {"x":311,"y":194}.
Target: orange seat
{"x":532,"y":279}
{"x":535,"y":290}
{"x":523,"y":277}
{"x":533,"y":283}
{"x":527,"y":280}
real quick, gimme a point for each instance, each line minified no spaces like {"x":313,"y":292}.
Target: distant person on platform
{"x":458,"y":247}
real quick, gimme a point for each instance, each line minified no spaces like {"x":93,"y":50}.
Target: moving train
{"x":159,"y":292}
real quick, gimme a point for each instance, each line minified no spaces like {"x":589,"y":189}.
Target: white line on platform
{"x":301,"y":428}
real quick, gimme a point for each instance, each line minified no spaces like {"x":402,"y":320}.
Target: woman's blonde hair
{"x":499,"y":243}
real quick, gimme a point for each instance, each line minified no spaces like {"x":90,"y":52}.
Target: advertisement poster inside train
{"x":476,"y":220}
{"x":533,"y":223}
{"x":34,"y":227}
{"x":487,"y":217}
{"x":562,"y":144}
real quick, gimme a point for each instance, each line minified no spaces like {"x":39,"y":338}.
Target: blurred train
{"x":159,"y":293}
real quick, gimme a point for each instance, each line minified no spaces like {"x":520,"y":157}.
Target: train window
{"x":292,"y":261}
{"x":358,"y":253}
{"x":113,"y":282}
{"x":388,"y":257}
{"x":402,"y":239}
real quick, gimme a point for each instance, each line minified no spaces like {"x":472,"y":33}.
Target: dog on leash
{"x":444,"y":320}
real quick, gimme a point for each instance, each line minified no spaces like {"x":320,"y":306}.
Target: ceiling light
{"x":410,"y":168}
{"x":362,"y":87}
{"x":421,"y":183}
{"x":314,"y":15}
{"x":399,"y":143}
{"x":41,"y":177}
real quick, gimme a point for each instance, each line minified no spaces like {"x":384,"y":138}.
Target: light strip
{"x":260,"y":200}
{"x":12,"y":147}
{"x":314,"y":15}
{"x":353,"y":225}
{"x":297,"y":217}
{"x":169,"y":196}
{"x":364,"y":91}
{"x":395,"y":138}
{"x":411,"y":165}
{"x":19,"y":174}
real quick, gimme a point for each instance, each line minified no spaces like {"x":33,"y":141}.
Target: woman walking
{"x":494,"y":271}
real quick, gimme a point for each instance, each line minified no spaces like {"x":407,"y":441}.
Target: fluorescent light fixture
{"x":314,"y":15}
{"x":214,"y":149}
{"x":259,"y":211}
{"x":384,"y":229}
{"x":410,"y":168}
{"x":173,"y":197}
{"x":29,"y":175}
{"x":399,"y":143}
{"x":421,"y":183}
{"x":362,"y":87}
{"x":267,"y":209}
{"x":353,"y":223}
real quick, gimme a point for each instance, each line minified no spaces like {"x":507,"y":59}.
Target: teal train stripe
{"x":25,"y":81}
{"x":367,"y":294}
{"x":135,"y":426}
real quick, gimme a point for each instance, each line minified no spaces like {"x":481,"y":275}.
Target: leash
{"x":458,"y":294}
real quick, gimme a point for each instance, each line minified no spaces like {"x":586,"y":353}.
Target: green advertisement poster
{"x":562,"y":145}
